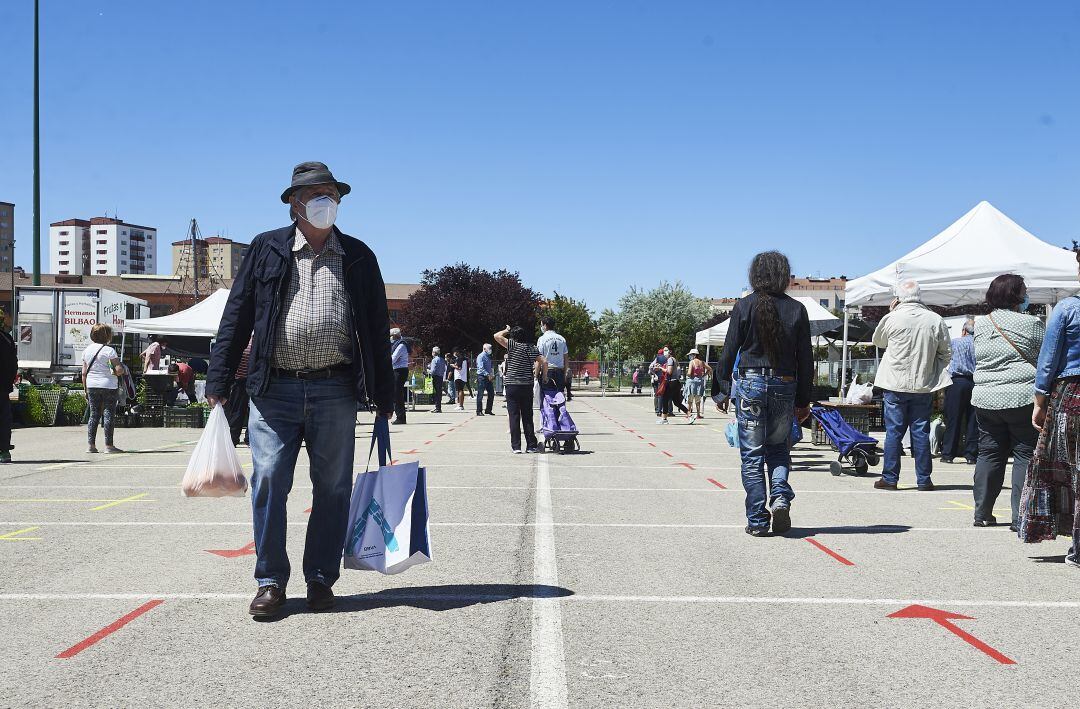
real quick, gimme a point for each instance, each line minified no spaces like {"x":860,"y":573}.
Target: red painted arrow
{"x":246,"y":550}
{"x":942,"y":618}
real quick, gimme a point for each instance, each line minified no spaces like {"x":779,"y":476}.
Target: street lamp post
{"x":37,"y":165}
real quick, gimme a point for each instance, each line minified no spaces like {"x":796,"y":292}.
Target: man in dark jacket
{"x":312,"y":301}
{"x":9,"y":368}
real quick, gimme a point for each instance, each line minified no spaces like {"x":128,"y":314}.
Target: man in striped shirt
{"x":523,"y":364}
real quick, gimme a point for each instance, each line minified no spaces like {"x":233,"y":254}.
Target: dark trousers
{"x":5,"y":423}
{"x":960,"y":416}
{"x":484,"y":386}
{"x":236,"y":408}
{"x":569,"y":381}
{"x":674,"y":397}
{"x":437,"y":392}
{"x":556,"y":379}
{"x":189,"y":391}
{"x":1002,"y":432}
{"x":401,"y":378}
{"x":519,"y":406}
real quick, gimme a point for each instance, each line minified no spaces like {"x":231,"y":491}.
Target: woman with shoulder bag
{"x":100,"y":372}
{"x":1007,"y":343}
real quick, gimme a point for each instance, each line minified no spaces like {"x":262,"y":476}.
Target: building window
{"x":64,"y":253}
{"x":65,"y":263}
{"x":64,"y":243}
{"x":824,"y":302}
{"x":102,"y":242}
{"x":63,"y":273}
{"x":124,"y":252}
{"x":63,"y":233}
{"x":103,"y":231}
{"x":101,"y":272}
{"x":102,"y":261}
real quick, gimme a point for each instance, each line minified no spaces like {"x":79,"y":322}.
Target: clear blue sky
{"x":589,"y":145}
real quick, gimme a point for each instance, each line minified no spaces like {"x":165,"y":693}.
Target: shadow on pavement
{"x":804,"y":532}
{"x":432,"y":598}
{"x":1048,"y":559}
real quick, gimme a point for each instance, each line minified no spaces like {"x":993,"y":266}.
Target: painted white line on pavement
{"x":404,"y":594}
{"x":879,"y":528}
{"x":547,"y":681}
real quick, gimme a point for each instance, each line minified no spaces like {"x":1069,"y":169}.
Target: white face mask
{"x":320,"y":212}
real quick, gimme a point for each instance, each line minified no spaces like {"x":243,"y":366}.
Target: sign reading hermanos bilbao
{"x":79,"y":314}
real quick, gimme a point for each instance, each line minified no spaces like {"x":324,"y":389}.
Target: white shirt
{"x":462,"y":373}
{"x":100,"y":375}
{"x":553,"y":346}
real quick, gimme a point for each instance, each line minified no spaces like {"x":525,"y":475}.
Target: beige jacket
{"x":918,"y":350}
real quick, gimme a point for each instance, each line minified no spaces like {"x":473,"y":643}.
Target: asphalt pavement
{"x":616,"y":577}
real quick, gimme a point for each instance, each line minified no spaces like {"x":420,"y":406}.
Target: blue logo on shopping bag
{"x":376,"y":514}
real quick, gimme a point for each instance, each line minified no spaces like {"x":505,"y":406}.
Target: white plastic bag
{"x":214,"y":470}
{"x":388,"y":516}
{"x":859,"y":393}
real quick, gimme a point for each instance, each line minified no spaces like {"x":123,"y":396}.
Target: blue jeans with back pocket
{"x":764,"y":408}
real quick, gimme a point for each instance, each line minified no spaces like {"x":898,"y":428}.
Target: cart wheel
{"x":836,"y":468}
{"x":873,"y":459}
{"x":577,"y":444}
{"x":861,"y":466}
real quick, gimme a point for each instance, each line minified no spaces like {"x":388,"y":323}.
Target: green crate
{"x":183,"y":417}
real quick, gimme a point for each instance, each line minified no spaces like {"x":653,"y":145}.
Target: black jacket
{"x":9,"y":363}
{"x":254,"y":308}
{"x":796,"y":352}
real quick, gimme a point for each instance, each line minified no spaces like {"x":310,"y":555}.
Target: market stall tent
{"x":200,"y":320}
{"x":956,"y":266}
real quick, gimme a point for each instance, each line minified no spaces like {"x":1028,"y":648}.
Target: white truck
{"x":54,"y":323}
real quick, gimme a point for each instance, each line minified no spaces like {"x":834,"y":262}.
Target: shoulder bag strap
{"x":1011,"y":343}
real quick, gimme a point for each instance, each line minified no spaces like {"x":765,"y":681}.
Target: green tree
{"x":573,"y":320}
{"x":647,"y":320}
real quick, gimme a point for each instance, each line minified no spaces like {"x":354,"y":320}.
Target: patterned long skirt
{"x":1048,"y":504}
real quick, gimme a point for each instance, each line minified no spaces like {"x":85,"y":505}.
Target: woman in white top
{"x":461,"y":379}
{"x":101,"y":367}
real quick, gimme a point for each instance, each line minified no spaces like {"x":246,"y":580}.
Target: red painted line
{"x":246,"y":550}
{"x":718,"y":484}
{"x":830,"y":552}
{"x":641,"y":437}
{"x":427,"y":443}
{"x":688,"y":466}
{"x":653,"y":445}
{"x":944,"y":618}
{"x":630,"y":430}
{"x":410,"y":452}
{"x":669,"y":455}
{"x":109,"y":629}
{"x":307,"y":512}
{"x":440,"y":435}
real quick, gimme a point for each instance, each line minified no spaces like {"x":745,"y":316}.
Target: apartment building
{"x":213,"y":256}
{"x":7,"y":235}
{"x":101,"y":246}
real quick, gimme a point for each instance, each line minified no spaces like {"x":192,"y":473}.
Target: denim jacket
{"x":1060,"y":353}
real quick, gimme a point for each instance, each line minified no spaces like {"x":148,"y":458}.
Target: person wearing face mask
{"x":313,"y":303}
{"x":485,"y":382}
{"x":1007,"y":343}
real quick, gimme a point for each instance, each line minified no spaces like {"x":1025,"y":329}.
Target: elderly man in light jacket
{"x":918,"y":350}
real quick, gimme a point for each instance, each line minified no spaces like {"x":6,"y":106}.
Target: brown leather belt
{"x":765,"y":372}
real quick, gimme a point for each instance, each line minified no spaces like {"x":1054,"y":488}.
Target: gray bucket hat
{"x":307,"y":174}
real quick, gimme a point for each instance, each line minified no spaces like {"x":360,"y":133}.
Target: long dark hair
{"x":770,"y":275}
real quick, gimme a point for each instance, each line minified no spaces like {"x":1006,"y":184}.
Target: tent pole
{"x":707,"y":346}
{"x":844,"y":355}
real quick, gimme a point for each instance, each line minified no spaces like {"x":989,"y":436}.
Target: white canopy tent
{"x":956,"y":267}
{"x":200,"y":320}
{"x":821,"y":320}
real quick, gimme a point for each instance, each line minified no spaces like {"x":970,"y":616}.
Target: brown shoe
{"x":320,"y":597}
{"x":268,"y":602}
{"x":880,"y":484}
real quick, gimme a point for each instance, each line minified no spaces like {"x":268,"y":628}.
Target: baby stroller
{"x":856,"y":448}
{"x":560,"y":432}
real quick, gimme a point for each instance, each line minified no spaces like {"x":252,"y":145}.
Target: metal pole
{"x":844,"y":354}
{"x":37,"y":165}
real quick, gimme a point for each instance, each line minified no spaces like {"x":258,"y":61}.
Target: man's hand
{"x":215,"y":401}
{"x":802,"y":413}
{"x":388,"y":414}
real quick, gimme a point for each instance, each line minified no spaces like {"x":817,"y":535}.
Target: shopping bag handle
{"x":380,"y":433}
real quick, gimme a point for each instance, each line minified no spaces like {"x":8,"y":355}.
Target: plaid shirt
{"x":314,"y":329}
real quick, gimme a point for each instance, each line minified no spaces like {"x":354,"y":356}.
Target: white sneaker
{"x":1069,"y":561}
{"x":693,"y":417}
{"x":659,"y":420}
{"x":664,"y":420}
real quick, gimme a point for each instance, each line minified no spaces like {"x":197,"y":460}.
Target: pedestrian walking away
{"x":437,"y":370}
{"x":960,"y":423}
{"x":918,"y":351}
{"x":553,"y":346}
{"x":312,"y":301}
{"x":485,"y":381}
{"x":9,"y":371}
{"x":1007,"y":344}
{"x":399,"y":360}
{"x":524,"y":364}
{"x":769,"y":335}
{"x":1050,"y":500}
{"x":100,"y":377}
{"x":696,"y":373}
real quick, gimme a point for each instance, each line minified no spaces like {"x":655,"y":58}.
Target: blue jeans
{"x":764,"y":407}
{"x":322,"y":414}
{"x":904,"y":411}
{"x":483,"y":384}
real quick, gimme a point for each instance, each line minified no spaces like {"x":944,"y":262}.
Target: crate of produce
{"x":152,"y":418}
{"x":183,"y":417}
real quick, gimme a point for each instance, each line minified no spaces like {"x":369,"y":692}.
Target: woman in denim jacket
{"x":1048,"y":504}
